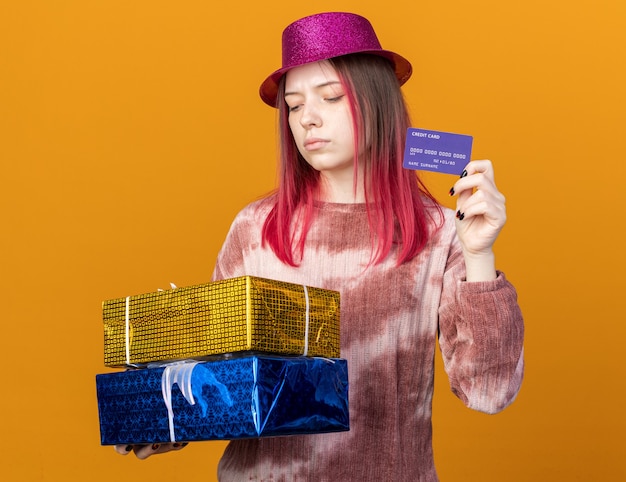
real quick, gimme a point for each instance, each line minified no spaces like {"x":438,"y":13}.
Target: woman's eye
{"x":292,"y":108}
{"x":335,"y":99}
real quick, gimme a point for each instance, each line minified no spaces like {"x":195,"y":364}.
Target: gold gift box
{"x":233,"y":315}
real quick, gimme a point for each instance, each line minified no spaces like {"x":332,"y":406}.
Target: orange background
{"x":131,"y":133}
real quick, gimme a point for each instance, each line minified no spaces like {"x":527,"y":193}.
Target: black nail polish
{"x":462,"y":216}
{"x":155,"y":446}
{"x":184,"y":444}
{"x":458,"y":214}
{"x":175,"y":445}
{"x":451,"y":192}
{"x":464,"y":173}
{"x":129,"y":448}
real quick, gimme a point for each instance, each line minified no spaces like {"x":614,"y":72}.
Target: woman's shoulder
{"x":442,"y":221}
{"x":262,"y":204}
{"x":440,"y":215}
{"x":254,"y":212}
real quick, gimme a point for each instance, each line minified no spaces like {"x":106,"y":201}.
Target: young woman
{"x":346,"y":216}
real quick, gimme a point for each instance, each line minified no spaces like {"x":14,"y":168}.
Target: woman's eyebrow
{"x":320,"y":86}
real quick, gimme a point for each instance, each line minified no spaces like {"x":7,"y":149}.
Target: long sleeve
{"x":230,"y":260}
{"x":481,"y":333}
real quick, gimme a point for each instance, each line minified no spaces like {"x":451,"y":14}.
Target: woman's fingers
{"x":144,"y":451}
{"x":481,"y":207}
{"x":123,"y":449}
{"x":476,"y":187}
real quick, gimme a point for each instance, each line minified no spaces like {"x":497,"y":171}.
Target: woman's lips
{"x":314,"y":143}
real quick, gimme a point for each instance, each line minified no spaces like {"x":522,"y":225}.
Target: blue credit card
{"x":437,"y":151}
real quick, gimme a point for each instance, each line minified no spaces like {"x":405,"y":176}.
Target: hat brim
{"x":269,"y":88}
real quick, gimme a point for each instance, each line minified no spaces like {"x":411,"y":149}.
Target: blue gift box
{"x":251,"y":396}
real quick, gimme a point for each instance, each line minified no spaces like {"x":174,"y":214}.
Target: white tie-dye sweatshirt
{"x":390,"y":318}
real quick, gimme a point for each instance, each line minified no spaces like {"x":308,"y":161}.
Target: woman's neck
{"x":336,"y":190}
{"x":335,"y":195}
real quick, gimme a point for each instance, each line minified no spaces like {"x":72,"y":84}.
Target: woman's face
{"x":320,"y":119}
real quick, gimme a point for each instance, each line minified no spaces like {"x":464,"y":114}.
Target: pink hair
{"x":399,"y":206}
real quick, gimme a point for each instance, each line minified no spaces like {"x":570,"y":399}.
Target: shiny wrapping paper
{"x":240,"y":397}
{"x":234,"y":315}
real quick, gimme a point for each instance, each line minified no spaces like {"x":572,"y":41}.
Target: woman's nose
{"x":310,"y":117}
